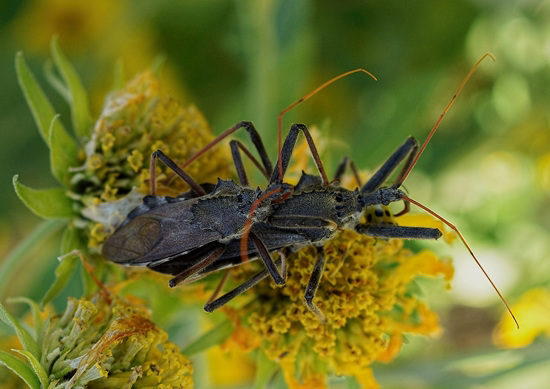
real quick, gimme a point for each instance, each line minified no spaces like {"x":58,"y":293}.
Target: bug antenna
{"x":434,"y":128}
{"x":406,"y":198}
{"x":248,"y":222}
{"x":304,"y":98}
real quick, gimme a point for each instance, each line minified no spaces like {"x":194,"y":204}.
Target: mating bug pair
{"x":217,"y":226}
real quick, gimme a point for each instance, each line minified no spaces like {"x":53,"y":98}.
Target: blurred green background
{"x":487,"y":169}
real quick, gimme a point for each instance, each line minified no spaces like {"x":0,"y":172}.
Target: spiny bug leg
{"x":401,"y":232}
{"x":201,"y":264}
{"x":179,"y":171}
{"x":408,"y":148}
{"x":235,"y":145}
{"x":313,"y":284}
{"x":341,"y":170}
{"x":221,"y":301}
{"x":254,"y":137}
{"x":219,"y":287}
{"x":286,"y":154}
{"x":266,"y":258}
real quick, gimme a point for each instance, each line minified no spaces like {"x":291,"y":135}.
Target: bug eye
{"x":339,"y":197}
{"x":378,"y":212}
{"x":240,"y":198}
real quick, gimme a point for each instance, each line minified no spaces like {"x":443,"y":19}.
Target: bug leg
{"x":174,"y":166}
{"x":313,"y":284}
{"x":405,"y":210}
{"x":201,"y":264}
{"x":288,"y":148}
{"x":221,"y":301}
{"x":408,"y":148}
{"x":254,"y":137}
{"x":219,"y":287}
{"x":266,"y":258}
{"x":402,"y":232}
{"x":235,"y":145}
{"x":341,"y":170}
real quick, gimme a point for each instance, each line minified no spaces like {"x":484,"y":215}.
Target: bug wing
{"x":163,"y":232}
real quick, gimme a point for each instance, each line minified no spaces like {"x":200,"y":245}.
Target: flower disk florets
{"x":364,"y":294}
{"x":110,"y":342}
{"x":136,"y":121}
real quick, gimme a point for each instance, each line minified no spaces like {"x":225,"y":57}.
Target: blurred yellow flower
{"x":78,"y":23}
{"x":533,"y":312}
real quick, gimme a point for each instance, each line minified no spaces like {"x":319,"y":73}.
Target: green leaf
{"x":63,"y":152}
{"x":37,"y":319}
{"x":56,"y":82}
{"x":63,"y":273}
{"x":40,"y":106}
{"x":26,"y":339}
{"x":38,"y":369}
{"x":80,"y":111}
{"x":11,"y":263}
{"x":71,"y":240}
{"x":265,"y":370}
{"x":89,"y":286}
{"x":215,"y":336}
{"x":46,"y":203}
{"x":20,"y":368}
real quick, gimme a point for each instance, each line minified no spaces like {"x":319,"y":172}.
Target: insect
{"x":217,"y":226}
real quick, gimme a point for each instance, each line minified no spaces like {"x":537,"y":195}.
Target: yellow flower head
{"x":109,"y":342}
{"x":366,"y":295}
{"x":136,"y":121}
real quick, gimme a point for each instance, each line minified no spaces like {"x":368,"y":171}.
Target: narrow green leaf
{"x":80,"y":110}
{"x":215,"y":336}
{"x":41,"y":108}
{"x":63,"y":273}
{"x":55,"y":81}
{"x":38,"y":369}
{"x":20,"y":368}
{"x":63,"y":152}
{"x":265,"y":370}
{"x":35,"y":308}
{"x":46,"y":203}
{"x":11,"y":263}
{"x":89,"y":286}
{"x":71,"y":240}
{"x":26,"y":339}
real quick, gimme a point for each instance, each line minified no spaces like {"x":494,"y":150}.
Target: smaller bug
{"x":217,"y":226}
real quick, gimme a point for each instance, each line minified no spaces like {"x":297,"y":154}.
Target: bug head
{"x":382,"y":196}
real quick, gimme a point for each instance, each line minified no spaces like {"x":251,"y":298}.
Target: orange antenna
{"x":248,"y":222}
{"x":310,"y":94}
{"x":407,"y":198}
{"x":464,"y":81}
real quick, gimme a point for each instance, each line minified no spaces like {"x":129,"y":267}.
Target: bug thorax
{"x":381,"y":196}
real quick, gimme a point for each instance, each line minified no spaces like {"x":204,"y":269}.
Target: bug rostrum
{"x":217,"y":226}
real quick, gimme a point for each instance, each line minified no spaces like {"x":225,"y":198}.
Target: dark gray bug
{"x":213,"y":227}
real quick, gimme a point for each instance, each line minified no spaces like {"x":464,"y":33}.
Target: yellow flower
{"x":78,"y":23}
{"x":365,"y":296}
{"x":110,"y":342}
{"x":365,"y":293}
{"x":533,"y":310}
